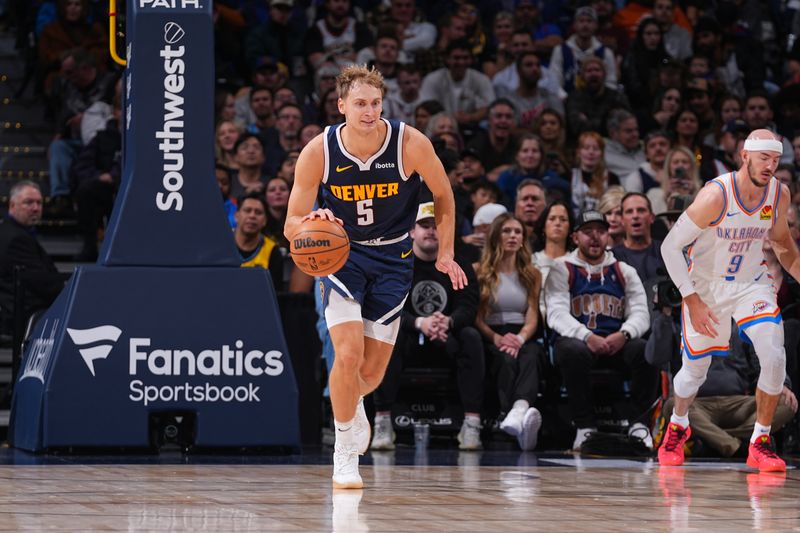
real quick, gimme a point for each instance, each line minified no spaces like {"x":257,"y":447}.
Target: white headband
{"x":763,"y":145}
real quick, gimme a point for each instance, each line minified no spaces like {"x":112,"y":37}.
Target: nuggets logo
{"x":759,"y":306}
{"x":766,"y":212}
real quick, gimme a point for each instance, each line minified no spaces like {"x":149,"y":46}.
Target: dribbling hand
{"x":453,"y":270}
{"x":323,"y":214}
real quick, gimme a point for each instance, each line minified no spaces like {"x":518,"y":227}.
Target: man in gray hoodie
{"x":598,"y":307}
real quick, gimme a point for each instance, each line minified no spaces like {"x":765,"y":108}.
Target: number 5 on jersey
{"x":365,"y":214}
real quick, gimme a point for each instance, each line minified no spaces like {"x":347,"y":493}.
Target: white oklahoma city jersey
{"x":731,"y":248}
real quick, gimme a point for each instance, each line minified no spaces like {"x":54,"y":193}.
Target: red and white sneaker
{"x":763,"y":456}
{"x":671,"y":451}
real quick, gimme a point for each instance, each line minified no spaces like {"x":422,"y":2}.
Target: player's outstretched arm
{"x":419,"y":156}
{"x":782,"y":243}
{"x":707,"y":208}
{"x":307,"y":177}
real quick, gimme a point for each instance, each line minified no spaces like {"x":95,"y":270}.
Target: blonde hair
{"x":488,"y":278}
{"x":694,"y":172}
{"x":611,"y":199}
{"x":354,"y":74}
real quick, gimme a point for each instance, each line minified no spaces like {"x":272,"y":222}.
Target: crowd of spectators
{"x":573,"y":133}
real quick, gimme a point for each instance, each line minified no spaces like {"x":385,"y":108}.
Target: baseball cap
{"x":588,"y":217}
{"x":736,"y":126}
{"x":470,"y":152}
{"x":425,"y":211}
{"x":487,"y":213}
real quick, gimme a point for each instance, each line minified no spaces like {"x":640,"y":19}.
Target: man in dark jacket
{"x":19,"y":247}
{"x":435,"y":320}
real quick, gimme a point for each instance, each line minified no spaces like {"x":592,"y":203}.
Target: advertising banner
{"x":169,"y":209}
{"x":95,"y":369}
{"x":167,"y":324}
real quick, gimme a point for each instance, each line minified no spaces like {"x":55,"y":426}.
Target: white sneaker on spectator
{"x":384,"y":434}
{"x":345,"y":466}
{"x":529,"y":435}
{"x":361,"y":429}
{"x":580,"y":437}
{"x":469,"y":438}
{"x":512,"y":423}
{"x":640,"y":431}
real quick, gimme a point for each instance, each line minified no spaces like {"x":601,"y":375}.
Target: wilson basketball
{"x":320,"y":247}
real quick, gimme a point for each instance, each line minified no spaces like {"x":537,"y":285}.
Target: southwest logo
{"x":82,"y":337}
{"x":403,"y":255}
{"x":766,"y":212}
{"x":342,"y":169}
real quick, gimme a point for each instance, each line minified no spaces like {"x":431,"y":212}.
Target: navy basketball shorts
{"x":370,"y":288}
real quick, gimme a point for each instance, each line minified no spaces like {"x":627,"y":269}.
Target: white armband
{"x":682,"y":234}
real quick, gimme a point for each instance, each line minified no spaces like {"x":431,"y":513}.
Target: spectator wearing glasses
{"x":249,"y":155}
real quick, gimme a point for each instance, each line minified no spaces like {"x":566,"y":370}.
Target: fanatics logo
{"x":766,"y":212}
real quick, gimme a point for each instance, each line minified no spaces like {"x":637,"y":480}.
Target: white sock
{"x":759,"y":430}
{"x":473,"y":420}
{"x":682,"y":421}
{"x":521,"y":405}
{"x":343,"y":430}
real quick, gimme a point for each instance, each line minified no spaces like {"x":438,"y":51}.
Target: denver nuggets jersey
{"x":597,"y":299}
{"x":375,"y":199}
{"x":730,"y":248}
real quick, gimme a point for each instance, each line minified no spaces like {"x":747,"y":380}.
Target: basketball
{"x":320,"y":247}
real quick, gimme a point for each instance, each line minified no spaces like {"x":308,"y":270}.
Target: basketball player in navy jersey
{"x":369,"y":172}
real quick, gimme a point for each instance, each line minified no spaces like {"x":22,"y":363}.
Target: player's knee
{"x":773,"y":371}
{"x":348,"y":359}
{"x":372,"y":376}
{"x":691,"y":376}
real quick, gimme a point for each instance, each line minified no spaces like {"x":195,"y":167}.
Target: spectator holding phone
{"x":683,"y":178}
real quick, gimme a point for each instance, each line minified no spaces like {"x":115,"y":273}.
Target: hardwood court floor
{"x":560,"y":494}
